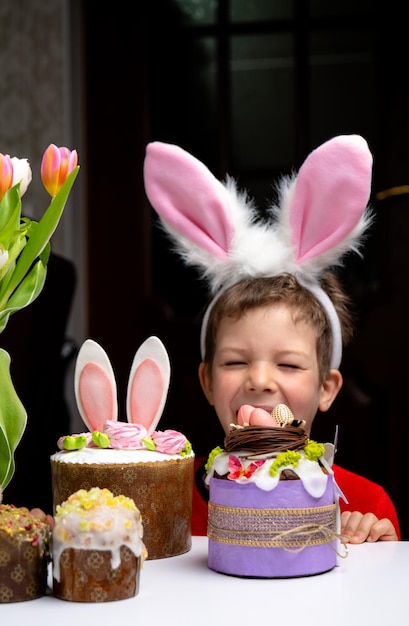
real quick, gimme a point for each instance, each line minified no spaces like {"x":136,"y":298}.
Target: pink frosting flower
{"x":125,"y":434}
{"x":169,"y":441}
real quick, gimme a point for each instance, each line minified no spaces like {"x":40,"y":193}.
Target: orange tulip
{"x":56,"y":165}
{"x":6,"y":174}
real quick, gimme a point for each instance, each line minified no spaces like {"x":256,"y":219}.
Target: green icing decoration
{"x":149,"y":444}
{"x":213,"y":454}
{"x":100,"y":439}
{"x":284,"y":459}
{"x":313,"y":450}
{"x":74,"y":443}
{"x":187,"y":449}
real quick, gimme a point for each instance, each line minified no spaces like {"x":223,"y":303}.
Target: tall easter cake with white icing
{"x":97,"y":547}
{"x":152,"y":467}
{"x":273,"y":502}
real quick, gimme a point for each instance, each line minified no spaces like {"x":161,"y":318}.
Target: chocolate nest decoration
{"x":265,"y":439}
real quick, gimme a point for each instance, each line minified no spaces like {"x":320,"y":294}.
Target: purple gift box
{"x":281,"y":533}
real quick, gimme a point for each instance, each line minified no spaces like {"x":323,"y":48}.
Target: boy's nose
{"x":261,"y":378}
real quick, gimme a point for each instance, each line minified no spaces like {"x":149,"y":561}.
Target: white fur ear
{"x":148,"y":384}
{"x":95,"y":386}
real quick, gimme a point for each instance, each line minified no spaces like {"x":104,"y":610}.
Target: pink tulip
{"x":56,"y":165}
{"x":6,"y":174}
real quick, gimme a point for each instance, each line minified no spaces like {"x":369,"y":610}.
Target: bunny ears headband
{"x":321,"y":215}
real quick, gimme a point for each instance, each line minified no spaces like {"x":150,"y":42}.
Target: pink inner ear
{"x":188,"y":197}
{"x":146,"y":393}
{"x":97,"y":396}
{"x":332,"y":191}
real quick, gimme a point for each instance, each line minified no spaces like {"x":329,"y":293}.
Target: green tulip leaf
{"x":14,"y":250}
{"x":29,"y":288}
{"x":27,"y":291}
{"x":13,"y":420}
{"x":10,"y":210}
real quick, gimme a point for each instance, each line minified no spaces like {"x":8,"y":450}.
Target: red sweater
{"x":362,"y":494}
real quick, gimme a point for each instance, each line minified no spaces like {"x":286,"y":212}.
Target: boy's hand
{"x":357,"y":528}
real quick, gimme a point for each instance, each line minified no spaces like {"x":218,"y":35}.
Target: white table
{"x":370,"y":586}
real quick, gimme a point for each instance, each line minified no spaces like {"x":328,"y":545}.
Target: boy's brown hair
{"x":284,"y":288}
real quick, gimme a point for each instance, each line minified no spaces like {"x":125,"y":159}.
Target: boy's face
{"x":265,"y":359}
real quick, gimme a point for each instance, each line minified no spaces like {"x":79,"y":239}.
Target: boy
{"x":268,"y":342}
{"x":275,"y":328}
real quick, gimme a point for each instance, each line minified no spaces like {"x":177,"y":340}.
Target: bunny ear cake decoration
{"x":148,"y":384}
{"x":96,"y":395}
{"x":95,"y":386}
{"x":321,"y":214}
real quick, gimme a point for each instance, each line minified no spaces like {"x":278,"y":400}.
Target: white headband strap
{"x":332,"y":316}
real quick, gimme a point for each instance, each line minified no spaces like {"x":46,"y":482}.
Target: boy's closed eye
{"x":234,"y":363}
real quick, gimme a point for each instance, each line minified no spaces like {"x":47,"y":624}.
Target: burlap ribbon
{"x":291,"y":529}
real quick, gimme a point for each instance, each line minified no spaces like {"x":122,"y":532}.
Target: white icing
{"x":111,"y":456}
{"x":309,"y":472}
{"x":109,"y":529}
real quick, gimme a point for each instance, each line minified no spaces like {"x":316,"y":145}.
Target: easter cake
{"x":273,"y":502}
{"x":97,"y":547}
{"x":153,"y":467}
{"x":24,"y":554}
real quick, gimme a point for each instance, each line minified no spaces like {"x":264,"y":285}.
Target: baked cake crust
{"x":161,"y":490}
{"x":24,"y":555}
{"x":88,"y":576}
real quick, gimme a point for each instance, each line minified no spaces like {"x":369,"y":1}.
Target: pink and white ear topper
{"x":321,"y":215}
{"x":96,"y":389}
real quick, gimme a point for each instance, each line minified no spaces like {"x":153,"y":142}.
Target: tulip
{"x":6,"y":174}
{"x":21,"y":174}
{"x":56,"y":165}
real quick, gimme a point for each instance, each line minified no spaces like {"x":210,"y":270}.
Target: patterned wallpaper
{"x":32,"y":97}
{"x":36,"y":110}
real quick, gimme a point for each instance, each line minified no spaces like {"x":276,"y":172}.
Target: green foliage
{"x":13,"y":420}
{"x":22,"y":279}
{"x":24,"y":273}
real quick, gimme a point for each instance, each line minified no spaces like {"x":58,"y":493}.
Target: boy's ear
{"x":206,"y":382}
{"x":330,"y":388}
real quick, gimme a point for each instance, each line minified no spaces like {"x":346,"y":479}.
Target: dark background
{"x":250,"y":89}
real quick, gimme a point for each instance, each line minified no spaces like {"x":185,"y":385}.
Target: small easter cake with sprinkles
{"x":155,"y":468}
{"x":273,"y":501}
{"x":24,"y":554}
{"x":97,"y":547}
